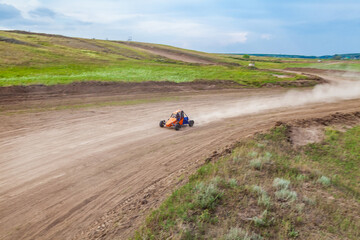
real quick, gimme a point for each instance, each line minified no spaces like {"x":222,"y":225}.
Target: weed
{"x":309,"y":201}
{"x":301,"y":177}
{"x":264,"y":200}
{"x":293,"y":234}
{"x":280,"y":183}
{"x":236,"y":159}
{"x":241,"y":234}
{"x":300,"y":207}
{"x":258,"y":190}
{"x":263,"y":220}
{"x":325,"y":181}
{"x":260,"y":145}
{"x":206,"y":195}
{"x":256,"y":164}
{"x":286,"y":195}
{"x":252,"y":154}
{"x":233,"y":183}
{"x":267,"y":156}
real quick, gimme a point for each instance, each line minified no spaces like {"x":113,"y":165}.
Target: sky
{"x":305,"y":27}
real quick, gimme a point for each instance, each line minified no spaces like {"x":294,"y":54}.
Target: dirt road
{"x":95,"y":172}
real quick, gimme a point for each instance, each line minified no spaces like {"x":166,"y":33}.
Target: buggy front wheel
{"x":191,"y":123}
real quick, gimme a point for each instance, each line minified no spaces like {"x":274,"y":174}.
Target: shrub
{"x":206,"y":195}
{"x":280,"y":183}
{"x":240,"y":234}
{"x":257,"y":189}
{"x":325,"y":181}
{"x":237,"y":234}
{"x":301,"y":177}
{"x":267,"y":156}
{"x":264,"y":200}
{"x":261,"y":221}
{"x":252,"y":154}
{"x":233,"y":182}
{"x":236,"y":159}
{"x":309,"y":201}
{"x":286,"y":195}
{"x":256,"y":164}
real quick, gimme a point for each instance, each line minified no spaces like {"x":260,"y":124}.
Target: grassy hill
{"x":34,"y":58}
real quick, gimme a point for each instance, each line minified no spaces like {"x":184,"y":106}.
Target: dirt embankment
{"x":108,"y":88}
{"x":305,"y":131}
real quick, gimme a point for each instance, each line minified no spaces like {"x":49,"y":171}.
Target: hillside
{"x":283,"y":184}
{"x":352,"y":56}
{"x":35,"y":58}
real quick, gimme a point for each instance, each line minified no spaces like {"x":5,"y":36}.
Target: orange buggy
{"x":177,"y":120}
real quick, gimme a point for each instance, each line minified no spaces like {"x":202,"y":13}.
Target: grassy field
{"x":267,"y":189}
{"x":132,"y":71}
{"x":28,"y":58}
{"x":282,"y":63}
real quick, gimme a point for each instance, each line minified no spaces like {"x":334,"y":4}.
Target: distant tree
{"x":337,"y":57}
{"x":246,"y":56}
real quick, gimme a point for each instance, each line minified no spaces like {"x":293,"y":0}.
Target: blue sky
{"x":306,"y":27}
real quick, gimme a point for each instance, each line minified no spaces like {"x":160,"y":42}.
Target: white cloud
{"x":266,"y":36}
{"x":237,"y":37}
{"x":24,"y":6}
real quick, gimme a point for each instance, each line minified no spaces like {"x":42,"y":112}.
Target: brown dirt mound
{"x":305,"y":131}
{"x":34,"y":92}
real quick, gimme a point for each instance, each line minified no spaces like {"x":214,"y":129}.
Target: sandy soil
{"x":95,"y":173}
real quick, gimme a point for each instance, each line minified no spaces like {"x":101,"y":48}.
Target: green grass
{"x":280,"y":63}
{"x":131,"y":71}
{"x":304,"y":193}
{"x":57,"y":60}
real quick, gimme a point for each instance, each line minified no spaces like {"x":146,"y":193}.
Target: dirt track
{"x":74,"y":173}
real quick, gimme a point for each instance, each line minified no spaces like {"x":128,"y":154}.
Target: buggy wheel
{"x":177,"y":127}
{"x":191,"y":123}
{"x":162,"y":123}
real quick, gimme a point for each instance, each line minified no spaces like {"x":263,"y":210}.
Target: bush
{"x":233,"y":182}
{"x":252,"y":154}
{"x":267,"y":156}
{"x":240,"y":234}
{"x":264,"y":198}
{"x":261,"y":221}
{"x":286,"y":195}
{"x":309,"y":201}
{"x":206,"y":195}
{"x":325,"y":181}
{"x":237,"y":234}
{"x":280,"y":183}
{"x":257,"y":189}
{"x":256,"y":164}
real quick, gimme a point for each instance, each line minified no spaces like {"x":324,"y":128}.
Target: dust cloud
{"x":325,"y":93}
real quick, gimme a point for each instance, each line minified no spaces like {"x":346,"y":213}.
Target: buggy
{"x":177,"y":120}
